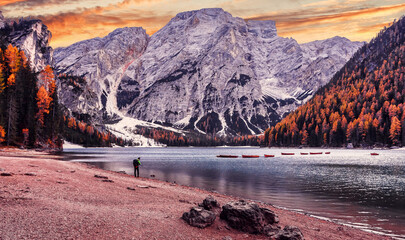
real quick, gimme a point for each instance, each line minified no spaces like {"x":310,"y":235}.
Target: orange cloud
{"x":67,"y":28}
{"x":7,"y":2}
{"x":320,"y":15}
{"x":362,"y":21}
{"x":374,"y":28}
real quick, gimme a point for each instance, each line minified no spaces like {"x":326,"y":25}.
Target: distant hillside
{"x":363,"y":104}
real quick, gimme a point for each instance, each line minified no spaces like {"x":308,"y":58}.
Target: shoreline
{"x":69,"y":145}
{"x":45,"y":197}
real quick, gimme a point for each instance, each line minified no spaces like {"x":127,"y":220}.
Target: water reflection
{"x":347,"y":185}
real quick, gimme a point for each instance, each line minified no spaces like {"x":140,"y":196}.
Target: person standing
{"x":136,"y":163}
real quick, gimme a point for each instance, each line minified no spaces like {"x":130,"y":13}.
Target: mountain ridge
{"x":31,"y":36}
{"x":210,"y":72}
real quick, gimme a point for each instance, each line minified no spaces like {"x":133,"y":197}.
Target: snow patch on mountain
{"x":271,"y":87}
{"x":126,"y":129}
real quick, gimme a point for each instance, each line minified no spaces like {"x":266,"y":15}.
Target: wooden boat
{"x":267,"y":155}
{"x":287,"y":153}
{"x":327,"y":152}
{"x":315,"y":153}
{"x":304,"y":153}
{"x":227,"y":156}
{"x":250,"y":156}
{"x":374,"y":154}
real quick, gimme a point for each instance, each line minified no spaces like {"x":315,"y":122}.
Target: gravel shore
{"x":42,"y":198}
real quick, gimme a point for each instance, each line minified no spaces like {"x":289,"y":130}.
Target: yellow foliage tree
{"x":395,"y":130}
{"x":43,"y":103}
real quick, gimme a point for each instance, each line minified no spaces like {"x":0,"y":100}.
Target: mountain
{"x":205,"y":71}
{"x":100,"y":62}
{"x":363,"y":104}
{"x":31,"y":36}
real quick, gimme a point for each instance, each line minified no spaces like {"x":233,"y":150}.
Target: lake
{"x":347,"y":186}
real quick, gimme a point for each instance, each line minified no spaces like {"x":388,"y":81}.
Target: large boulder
{"x":248,"y":217}
{"x":199,"y":217}
{"x":289,"y":233}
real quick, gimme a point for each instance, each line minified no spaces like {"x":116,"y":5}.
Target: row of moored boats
{"x":283,"y":153}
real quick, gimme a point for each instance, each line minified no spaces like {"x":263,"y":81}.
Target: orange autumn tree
{"x":43,"y":102}
{"x":13,"y":61}
{"x":48,"y":79}
{"x":395,"y":130}
{"x":2,"y":134}
{"x":45,"y":91}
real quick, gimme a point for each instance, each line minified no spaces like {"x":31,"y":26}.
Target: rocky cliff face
{"x":2,"y":21}
{"x":31,"y":36}
{"x":206,"y":71}
{"x":101,"y":62}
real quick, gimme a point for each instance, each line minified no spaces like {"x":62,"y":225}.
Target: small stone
{"x":142,"y":186}
{"x":73,"y":171}
{"x":132,"y":189}
{"x":289,"y":233}
{"x":30,"y":174}
{"x":227,"y":238}
{"x":6,"y":174}
{"x":30,"y":165}
{"x":99,"y":176}
{"x":60,"y":182}
{"x":152,"y":175}
{"x":107,"y":180}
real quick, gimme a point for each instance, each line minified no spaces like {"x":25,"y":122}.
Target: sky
{"x":71,"y":21}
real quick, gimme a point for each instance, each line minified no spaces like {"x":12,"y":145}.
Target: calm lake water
{"x":347,"y":186}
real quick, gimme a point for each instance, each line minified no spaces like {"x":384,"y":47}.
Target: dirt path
{"x":48,"y":199}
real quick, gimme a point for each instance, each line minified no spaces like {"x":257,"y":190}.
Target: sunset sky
{"x":304,"y":20}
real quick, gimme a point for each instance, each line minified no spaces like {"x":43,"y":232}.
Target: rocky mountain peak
{"x":207,"y":14}
{"x":31,"y":36}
